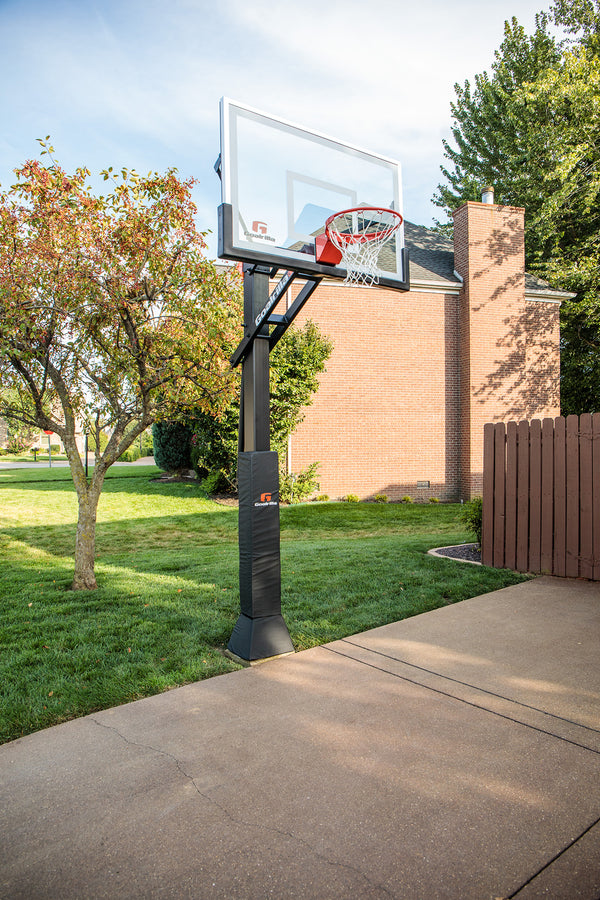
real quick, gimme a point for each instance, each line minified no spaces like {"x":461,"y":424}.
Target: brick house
{"x":414,"y":376}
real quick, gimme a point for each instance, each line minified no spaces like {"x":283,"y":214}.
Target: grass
{"x":167,"y":601}
{"x":42,"y":458}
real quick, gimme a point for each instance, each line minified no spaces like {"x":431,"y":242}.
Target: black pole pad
{"x":260,"y":566}
{"x":260,"y":630}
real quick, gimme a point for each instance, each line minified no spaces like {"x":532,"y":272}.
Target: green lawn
{"x":168,"y":596}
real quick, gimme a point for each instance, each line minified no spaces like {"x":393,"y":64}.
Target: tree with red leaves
{"x":111,"y":317}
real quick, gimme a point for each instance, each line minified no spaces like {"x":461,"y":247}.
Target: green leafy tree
{"x":581,"y":19}
{"x":532,"y":129}
{"x":295,"y":364}
{"x":110,"y":316}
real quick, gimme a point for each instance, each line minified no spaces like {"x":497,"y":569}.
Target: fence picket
{"x":572,"y":553}
{"x":547,"y":523}
{"x":560,"y":496}
{"x":523,"y":496}
{"x":535,"y":495}
{"x":596,"y":496}
{"x":586,"y":534}
{"x":487,"y":522}
{"x":499,"y":494}
{"x":510,"y":551}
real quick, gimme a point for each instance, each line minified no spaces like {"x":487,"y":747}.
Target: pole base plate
{"x":260,"y":638}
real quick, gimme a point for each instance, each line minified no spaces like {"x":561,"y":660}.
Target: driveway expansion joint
{"x":553,"y":860}
{"x":470,"y":703}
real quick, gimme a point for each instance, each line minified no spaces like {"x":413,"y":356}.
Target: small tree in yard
{"x":110,"y":315}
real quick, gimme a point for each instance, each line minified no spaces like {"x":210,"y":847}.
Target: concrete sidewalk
{"x":452,"y":755}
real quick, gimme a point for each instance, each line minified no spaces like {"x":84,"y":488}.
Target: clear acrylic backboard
{"x":280,"y":183}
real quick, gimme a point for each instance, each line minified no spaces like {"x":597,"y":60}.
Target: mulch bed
{"x":468,"y":552}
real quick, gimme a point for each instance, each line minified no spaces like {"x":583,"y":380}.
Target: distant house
{"x":414,"y":376}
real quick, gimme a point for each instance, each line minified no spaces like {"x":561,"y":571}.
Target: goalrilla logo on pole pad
{"x":266,"y":499}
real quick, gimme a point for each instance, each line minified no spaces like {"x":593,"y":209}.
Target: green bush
{"x":298,"y":486}
{"x":145,"y":443}
{"x":471,"y":515}
{"x":380,"y":498}
{"x":131,"y":454}
{"x":322,"y":498}
{"x":434,"y":499}
{"x":407,"y":499}
{"x":351,"y":498}
{"x":212,"y":483}
{"x":172,"y":446}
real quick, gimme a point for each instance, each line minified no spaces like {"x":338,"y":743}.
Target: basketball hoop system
{"x":360,"y":234}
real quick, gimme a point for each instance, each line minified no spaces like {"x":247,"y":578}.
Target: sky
{"x":136,"y":83}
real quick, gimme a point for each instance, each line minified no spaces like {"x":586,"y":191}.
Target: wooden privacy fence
{"x":541,"y":496}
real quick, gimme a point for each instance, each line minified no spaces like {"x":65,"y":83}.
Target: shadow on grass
{"x":130,"y":483}
{"x":176,"y":532}
{"x":144,"y":630}
{"x":212,"y":525}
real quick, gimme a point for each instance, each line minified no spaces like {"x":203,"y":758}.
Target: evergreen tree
{"x":492,"y":129}
{"x":171,"y":441}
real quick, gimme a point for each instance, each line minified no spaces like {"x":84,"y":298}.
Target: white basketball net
{"x":360,"y":235}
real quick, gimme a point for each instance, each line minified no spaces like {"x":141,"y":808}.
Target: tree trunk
{"x":85,"y":543}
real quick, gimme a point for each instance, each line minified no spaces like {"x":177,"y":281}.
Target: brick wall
{"x":414,"y":376}
{"x":385,"y":416}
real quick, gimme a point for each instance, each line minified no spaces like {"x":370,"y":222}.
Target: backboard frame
{"x":234,"y":248}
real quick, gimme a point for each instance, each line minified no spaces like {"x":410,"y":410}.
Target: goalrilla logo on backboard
{"x":259,"y":230}
{"x":266,"y":499}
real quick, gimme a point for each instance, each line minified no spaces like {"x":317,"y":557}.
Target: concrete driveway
{"x":452,"y":755}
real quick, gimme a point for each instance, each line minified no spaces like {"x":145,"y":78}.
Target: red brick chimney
{"x":506,"y":342}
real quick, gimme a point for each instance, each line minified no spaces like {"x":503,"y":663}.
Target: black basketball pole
{"x":260,"y":631}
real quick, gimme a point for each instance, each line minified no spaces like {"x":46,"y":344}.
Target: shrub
{"x":131,"y":454}
{"x":380,"y":498}
{"x":322,"y":498}
{"x":351,"y":498}
{"x":212,"y":482}
{"x":172,"y":446}
{"x":298,"y":486}
{"x":434,"y":499}
{"x":16,"y":444}
{"x":407,"y":499}
{"x":471,"y":515}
